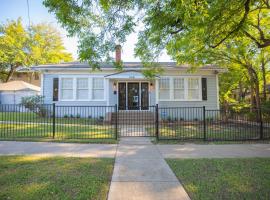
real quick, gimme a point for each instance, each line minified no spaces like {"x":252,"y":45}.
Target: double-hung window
{"x":164,"y":88}
{"x":67,"y":89}
{"x":82,"y":88}
{"x":193,"y":88}
{"x":179,"y":88}
{"x":98,"y":88}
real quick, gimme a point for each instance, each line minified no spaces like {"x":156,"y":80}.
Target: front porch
{"x":131,"y":91}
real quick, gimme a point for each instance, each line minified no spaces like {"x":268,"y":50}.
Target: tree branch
{"x":247,"y":9}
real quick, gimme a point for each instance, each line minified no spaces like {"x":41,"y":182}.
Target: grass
{"x":62,"y":132}
{"x":214,"y":132}
{"x":33,"y":177}
{"x":32,"y":117}
{"x":229,"y":178}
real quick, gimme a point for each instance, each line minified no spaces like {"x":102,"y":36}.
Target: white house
{"x":74,"y":83}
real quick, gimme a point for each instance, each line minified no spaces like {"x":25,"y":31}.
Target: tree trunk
{"x":264,"y":80}
{"x":255,"y":80}
{"x":10,"y":74}
{"x":252,"y":102}
{"x":240,"y":94}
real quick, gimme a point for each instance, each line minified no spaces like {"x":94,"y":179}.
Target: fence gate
{"x":137,"y":121}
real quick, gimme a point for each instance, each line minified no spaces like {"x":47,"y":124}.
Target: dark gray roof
{"x":126,"y":65}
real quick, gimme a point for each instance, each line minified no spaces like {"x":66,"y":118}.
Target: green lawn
{"x":65,"y":131}
{"x":214,"y":132}
{"x":32,"y":117}
{"x":230,"y":179}
{"x":32,"y":177}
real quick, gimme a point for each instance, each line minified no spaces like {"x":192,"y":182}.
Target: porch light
{"x":114,"y":88}
{"x":151,"y":86}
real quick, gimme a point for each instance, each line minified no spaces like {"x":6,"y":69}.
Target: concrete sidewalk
{"x":109,"y":150}
{"x":140,"y":173}
{"x":214,"y":151}
{"x":58,"y":149}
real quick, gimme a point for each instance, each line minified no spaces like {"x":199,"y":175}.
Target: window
{"x":193,"y":88}
{"x":67,"y":88}
{"x":82,"y":89}
{"x":182,"y":88}
{"x":98,"y":88}
{"x":164,"y":88}
{"x":179,"y":88}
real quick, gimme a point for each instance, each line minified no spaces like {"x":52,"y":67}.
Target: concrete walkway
{"x":215,"y":151}
{"x":58,"y":149}
{"x":141,"y":173}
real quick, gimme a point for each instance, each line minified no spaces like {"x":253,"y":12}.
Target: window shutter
{"x":55,"y":88}
{"x":204,"y":89}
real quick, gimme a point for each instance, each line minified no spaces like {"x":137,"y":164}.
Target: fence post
{"x":53,"y":120}
{"x":261,"y":124}
{"x":157,"y":122}
{"x":116,"y":121}
{"x":204,"y":124}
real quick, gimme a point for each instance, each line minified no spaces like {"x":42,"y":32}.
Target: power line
{"x":28,"y":13}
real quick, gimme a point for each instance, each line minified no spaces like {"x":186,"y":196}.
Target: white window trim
{"x":171,"y":96}
{"x":60,"y":89}
{"x":170,"y":89}
{"x":185,"y":90}
{"x":90,"y":88}
{"x":104,"y":90}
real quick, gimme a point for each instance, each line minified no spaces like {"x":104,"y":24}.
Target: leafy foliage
{"x":35,"y":104}
{"x":19,"y":46}
{"x":178,"y":26}
{"x":229,"y":33}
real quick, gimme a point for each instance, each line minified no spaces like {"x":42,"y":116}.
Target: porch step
{"x":133,"y":117}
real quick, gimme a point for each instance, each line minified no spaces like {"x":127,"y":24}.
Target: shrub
{"x":65,"y":116}
{"x":78,"y":116}
{"x":101,"y":118}
{"x":169,"y":119}
{"x":35,"y":105}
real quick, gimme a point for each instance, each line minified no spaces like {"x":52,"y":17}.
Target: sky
{"x":13,"y":9}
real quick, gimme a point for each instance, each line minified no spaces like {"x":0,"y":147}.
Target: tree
{"x":13,"y":48}
{"x":39,"y":44}
{"x":100,"y":25}
{"x":225,"y":32}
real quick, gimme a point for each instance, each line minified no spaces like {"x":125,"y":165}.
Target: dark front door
{"x":122,"y":98}
{"x":144,"y":96}
{"x":133,"y":96}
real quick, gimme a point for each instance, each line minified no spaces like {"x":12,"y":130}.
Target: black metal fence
{"x":107,"y":122}
{"x":197,"y":123}
{"x":57,"y":122}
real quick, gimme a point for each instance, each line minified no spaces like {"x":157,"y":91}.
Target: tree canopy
{"x":20,"y":46}
{"x":180,"y":27}
{"x":230,"y":33}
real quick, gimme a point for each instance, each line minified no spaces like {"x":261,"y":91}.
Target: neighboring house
{"x":27,"y":75}
{"x":12,"y":92}
{"x":75,"y":84}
